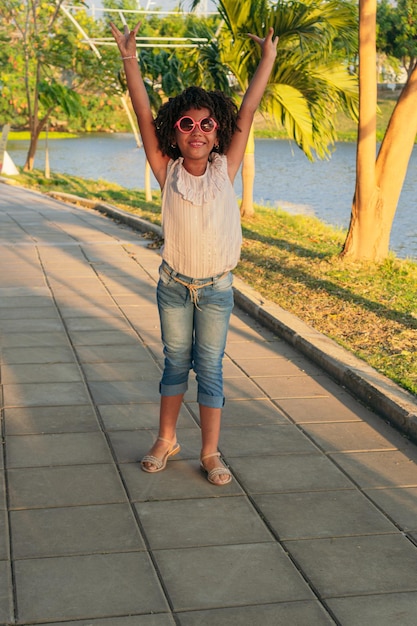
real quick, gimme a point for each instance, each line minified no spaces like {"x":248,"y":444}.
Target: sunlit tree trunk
{"x":148,"y":188}
{"x":361,"y":241}
{"x":395,"y":153}
{"x":248,"y":176}
{"x":378,"y":184}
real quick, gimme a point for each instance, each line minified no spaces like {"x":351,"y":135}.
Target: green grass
{"x":369,"y":308}
{"x":24,"y":135}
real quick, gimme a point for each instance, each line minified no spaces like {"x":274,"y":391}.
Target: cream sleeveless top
{"x":200,"y":220}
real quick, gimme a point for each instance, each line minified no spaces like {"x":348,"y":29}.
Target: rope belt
{"x":192,"y":287}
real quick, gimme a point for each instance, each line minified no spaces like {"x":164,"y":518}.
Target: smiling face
{"x":196,"y":145}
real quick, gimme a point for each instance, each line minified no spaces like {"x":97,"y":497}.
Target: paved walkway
{"x":319,"y":526}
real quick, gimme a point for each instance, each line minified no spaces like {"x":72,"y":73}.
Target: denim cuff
{"x":213,"y":402}
{"x":172,"y":390}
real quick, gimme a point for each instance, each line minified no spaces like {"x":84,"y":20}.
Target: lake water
{"x":284,"y":177}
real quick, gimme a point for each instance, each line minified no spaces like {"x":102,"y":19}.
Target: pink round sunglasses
{"x":186,"y":125}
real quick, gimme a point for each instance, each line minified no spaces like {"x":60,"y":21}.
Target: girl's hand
{"x":268,"y":44}
{"x":126,"y":41}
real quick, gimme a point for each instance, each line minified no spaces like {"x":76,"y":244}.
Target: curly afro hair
{"x":221,"y":107}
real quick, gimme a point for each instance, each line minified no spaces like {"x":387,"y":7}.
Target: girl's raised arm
{"x":126,"y":42}
{"x":251,"y":100}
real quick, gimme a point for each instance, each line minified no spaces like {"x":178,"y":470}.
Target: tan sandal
{"x":160,"y":464}
{"x":216,"y":471}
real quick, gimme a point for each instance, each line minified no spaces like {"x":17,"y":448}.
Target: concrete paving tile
{"x":145,"y":314}
{"x":112,"y":354}
{"x":340,"y":408}
{"x":330,"y":514}
{"x":77,"y":285}
{"x":353,"y":436}
{"x":286,"y":473}
{"x":43,"y":354}
{"x":94,"y":323}
{"x":379,"y":469}
{"x":40,"y":373}
{"x":180,"y":480}
{"x":142,"y":370}
{"x":2,"y":491}
{"x":251,"y":573}
{"x":26,"y":302}
{"x":15,"y":278}
{"x":138,"y":299}
{"x":87,"y":586}
{"x":147,"y":335}
{"x":241,"y":389}
{"x":277,"y":366}
{"x":6,"y":597}
{"x":15,"y":313}
{"x":74,"y":530}
{"x":57,"y":449}
{"x":34,"y":325}
{"x":241,"y":413}
{"x":33,"y":340}
{"x":265,"y":440}
{"x":201,"y":522}
{"x":79,"y":289}
{"x":103,"y":337}
{"x":138,"y":416}
{"x":245,"y":332}
{"x":36,"y":420}
{"x":77,"y":485}
{"x":299,"y":613}
{"x":45,"y":394}
{"x":124,"y":392}
{"x":256,"y":350}
{"x":159,"y":619}
{"x":4,"y":535}
{"x":400,"y":504}
{"x":376,"y":610}
{"x":358,"y":565}
{"x":131,"y":446}
{"x":231,"y":370}
{"x":297,"y":386}
{"x":85,"y":302}
{"x":129,"y":287}
{"x":25,"y":296}
{"x":72,"y":310}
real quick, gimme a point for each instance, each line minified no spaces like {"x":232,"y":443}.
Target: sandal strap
{"x":149,"y":458}
{"x":218,"y":471}
{"x":207,"y":456}
{"x":171,"y":443}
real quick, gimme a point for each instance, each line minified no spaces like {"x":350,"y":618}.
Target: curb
{"x":373,"y":389}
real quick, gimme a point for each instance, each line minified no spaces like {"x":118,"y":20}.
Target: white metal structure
{"x":142,"y":42}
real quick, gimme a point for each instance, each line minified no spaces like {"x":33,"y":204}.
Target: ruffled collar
{"x":201,"y":189}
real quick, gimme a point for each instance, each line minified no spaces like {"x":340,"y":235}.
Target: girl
{"x":195,"y":147}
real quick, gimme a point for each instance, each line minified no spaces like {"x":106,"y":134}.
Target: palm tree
{"x":378,"y":184}
{"x":310,"y":81}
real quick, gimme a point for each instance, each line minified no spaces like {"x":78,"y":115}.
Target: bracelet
{"x":133,"y":56}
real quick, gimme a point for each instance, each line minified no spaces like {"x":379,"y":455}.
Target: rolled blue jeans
{"x":194,"y":324}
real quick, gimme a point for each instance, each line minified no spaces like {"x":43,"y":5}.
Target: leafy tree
{"x":52,"y":60}
{"x":397,"y":31}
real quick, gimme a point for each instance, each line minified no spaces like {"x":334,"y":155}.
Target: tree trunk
{"x":378,"y":185}
{"x":148,"y":187}
{"x":361,"y":240}
{"x":30,"y":157}
{"x":248,"y":177}
{"x":394,"y":154}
